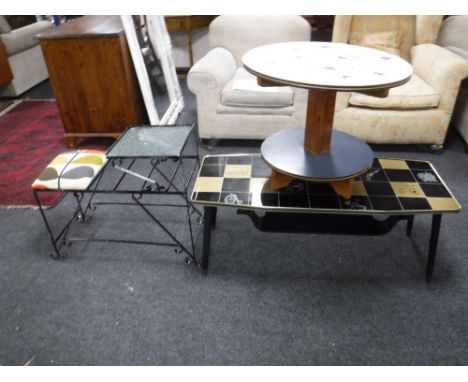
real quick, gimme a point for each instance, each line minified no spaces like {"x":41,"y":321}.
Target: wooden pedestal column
{"x":319,"y":121}
{"x":317,"y":136}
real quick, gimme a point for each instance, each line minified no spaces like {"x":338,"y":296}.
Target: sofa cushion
{"x":242,"y":90}
{"x":415,"y":94}
{"x":20,"y":39}
{"x":4,"y":26}
{"x":453,"y":32}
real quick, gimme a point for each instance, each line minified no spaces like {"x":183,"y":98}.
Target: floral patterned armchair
{"x":417,"y":112}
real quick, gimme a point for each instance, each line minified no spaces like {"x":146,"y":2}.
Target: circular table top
{"x":332,"y":66}
{"x":348,"y":156}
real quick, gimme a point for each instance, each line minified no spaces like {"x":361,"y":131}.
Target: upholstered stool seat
{"x":71,"y":171}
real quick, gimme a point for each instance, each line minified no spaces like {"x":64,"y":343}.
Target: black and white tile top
{"x":390,"y":186}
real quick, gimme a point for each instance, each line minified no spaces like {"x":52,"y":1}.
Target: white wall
{"x":200,"y":46}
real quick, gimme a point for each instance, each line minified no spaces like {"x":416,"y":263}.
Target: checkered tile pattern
{"x":391,"y":186}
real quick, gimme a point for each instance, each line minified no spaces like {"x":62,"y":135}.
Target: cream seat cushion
{"x":415,"y":94}
{"x":242,"y":90}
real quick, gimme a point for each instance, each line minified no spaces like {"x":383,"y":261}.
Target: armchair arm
{"x":212,"y":72}
{"x":23,"y":38}
{"x":441,"y":69}
{"x":342,"y":101}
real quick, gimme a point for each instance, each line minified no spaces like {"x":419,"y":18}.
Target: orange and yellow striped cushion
{"x":72,"y":170}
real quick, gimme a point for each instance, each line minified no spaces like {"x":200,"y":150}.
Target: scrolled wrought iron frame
{"x":165,"y":185}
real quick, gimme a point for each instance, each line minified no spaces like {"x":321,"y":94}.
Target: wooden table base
{"x":318,"y":134}
{"x":343,"y":187}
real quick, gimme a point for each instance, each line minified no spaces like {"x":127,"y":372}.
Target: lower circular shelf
{"x":348,"y":156}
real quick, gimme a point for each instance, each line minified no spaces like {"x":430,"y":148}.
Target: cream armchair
{"x":230,"y":103}
{"x":417,"y":112}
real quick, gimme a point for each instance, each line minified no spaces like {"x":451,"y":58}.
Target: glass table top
{"x":151,"y":142}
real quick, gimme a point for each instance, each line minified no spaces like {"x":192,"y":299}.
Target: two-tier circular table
{"x":317,"y":152}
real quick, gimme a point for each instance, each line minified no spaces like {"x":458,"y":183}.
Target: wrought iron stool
{"x":72,"y":171}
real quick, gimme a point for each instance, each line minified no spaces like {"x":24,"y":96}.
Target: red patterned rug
{"x":31,"y":135}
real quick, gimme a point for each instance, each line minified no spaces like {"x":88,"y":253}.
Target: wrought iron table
{"x":390,"y":191}
{"x":144,"y":163}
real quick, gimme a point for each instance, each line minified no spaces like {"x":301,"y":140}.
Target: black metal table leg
{"x":208,"y":221}
{"x":409,"y":225}
{"x":213,"y":220}
{"x":436,"y":219}
{"x":56,"y":253}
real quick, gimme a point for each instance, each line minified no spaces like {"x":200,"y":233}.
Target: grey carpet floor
{"x":268,"y":299}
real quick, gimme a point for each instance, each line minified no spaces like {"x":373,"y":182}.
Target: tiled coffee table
{"x":390,"y":191}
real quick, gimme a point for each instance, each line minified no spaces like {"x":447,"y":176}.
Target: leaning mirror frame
{"x":161,"y":46}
